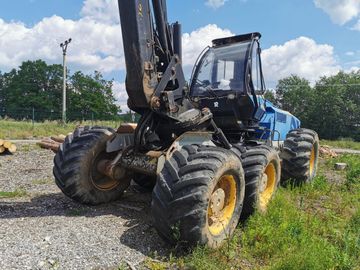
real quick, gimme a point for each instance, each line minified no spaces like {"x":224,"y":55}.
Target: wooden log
{"x":2,"y":149}
{"x":59,"y":139}
{"x":12,"y":149}
{"x":1,"y":142}
{"x":54,"y":146}
{"x":7,"y":144}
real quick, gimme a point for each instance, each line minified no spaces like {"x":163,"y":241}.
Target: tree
{"x":91,"y":96}
{"x":294,"y":94}
{"x":331,"y":107}
{"x":270,"y":96}
{"x":34,"y":85}
{"x":38,"y":85}
{"x":336,"y":112}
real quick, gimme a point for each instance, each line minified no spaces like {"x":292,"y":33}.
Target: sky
{"x":309,"y":38}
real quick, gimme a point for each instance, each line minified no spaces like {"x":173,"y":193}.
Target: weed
{"x":18,"y":193}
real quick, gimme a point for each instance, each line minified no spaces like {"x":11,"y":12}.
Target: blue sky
{"x":311,"y":38}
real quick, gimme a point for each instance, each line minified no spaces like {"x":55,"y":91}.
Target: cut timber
{"x":59,"y":138}
{"x":7,"y":144}
{"x":326,"y":151}
{"x":12,"y":148}
{"x":52,"y":145}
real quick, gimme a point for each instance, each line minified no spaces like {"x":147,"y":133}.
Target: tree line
{"x":331,"y":106}
{"x":35,"y":85}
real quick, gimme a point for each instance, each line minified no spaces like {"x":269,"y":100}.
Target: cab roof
{"x":235,"y":39}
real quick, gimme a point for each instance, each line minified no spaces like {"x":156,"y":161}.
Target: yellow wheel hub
{"x":222,"y":204}
{"x":267,"y":186}
{"x":312,"y":161}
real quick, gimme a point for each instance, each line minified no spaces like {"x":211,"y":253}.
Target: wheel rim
{"x":99,"y":180}
{"x":267,"y":185}
{"x":312,"y":161}
{"x":222,"y":204}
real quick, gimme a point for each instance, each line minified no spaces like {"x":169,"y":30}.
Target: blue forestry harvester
{"x":212,"y":150}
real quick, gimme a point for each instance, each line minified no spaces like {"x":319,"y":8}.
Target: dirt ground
{"x":43,"y":229}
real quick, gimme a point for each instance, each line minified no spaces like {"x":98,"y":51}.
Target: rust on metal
{"x":126,"y":128}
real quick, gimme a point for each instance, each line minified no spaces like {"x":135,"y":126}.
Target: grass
{"x":18,"y":193}
{"x":345,"y":143}
{"x":10,"y":129}
{"x":316,"y":226}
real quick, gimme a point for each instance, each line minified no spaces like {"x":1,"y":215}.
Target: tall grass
{"x":316,"y":226}
{"x":344,"y":143}
{"x":27,"y":130}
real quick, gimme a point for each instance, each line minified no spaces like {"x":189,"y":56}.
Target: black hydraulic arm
{"x":155,"y":79}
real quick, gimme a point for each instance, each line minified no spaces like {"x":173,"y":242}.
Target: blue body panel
{"x":276,"y":121}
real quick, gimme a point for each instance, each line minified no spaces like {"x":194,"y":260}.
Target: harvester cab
{"x":205,"y":149}
{"x":227,"y":79}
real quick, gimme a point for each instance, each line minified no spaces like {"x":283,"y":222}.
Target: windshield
{"x":221,"y":69}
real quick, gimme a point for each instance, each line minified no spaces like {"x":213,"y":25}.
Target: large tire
{"x":262,"y":169}
{"x":75,"y":167}
{"x":300,"y":156}
{"x":198,"y":196}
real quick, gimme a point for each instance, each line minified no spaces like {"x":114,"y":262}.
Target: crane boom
{"x":152,"y":47}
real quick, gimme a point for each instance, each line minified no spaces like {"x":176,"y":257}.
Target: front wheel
{"x":198,"y":196}
{"x":76,"y":167}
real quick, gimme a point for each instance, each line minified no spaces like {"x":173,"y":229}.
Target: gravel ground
{"x":45,"y":230}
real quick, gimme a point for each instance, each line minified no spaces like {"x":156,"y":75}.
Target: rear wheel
{"x":198,"y":196}
{"x":300,"y":156}
{"x":262,"y":169}
{"x":76,"y":163}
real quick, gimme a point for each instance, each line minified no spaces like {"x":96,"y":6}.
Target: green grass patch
{"x":13,"y":194}
{"x":26,"y":130}
{"x":316,"y":226}
{"x":346,"y":144}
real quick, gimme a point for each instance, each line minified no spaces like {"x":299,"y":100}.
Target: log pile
{"x":53,"y":143}
{"x":326,"y":151}
{"x":7,"y":147}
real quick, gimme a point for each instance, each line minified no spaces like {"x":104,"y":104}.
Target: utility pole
{"x":64,"y":47}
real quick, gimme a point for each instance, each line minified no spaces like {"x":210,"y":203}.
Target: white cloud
{"x":95,"y":45}
{"x":101,"y":10}
{"x":121,"y":95}
{"x":215,"y":3}
{"x":340,"y":11}
{"x":301,"y":56}
{"x":195,"y":42}
{"x":350,"y":53}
